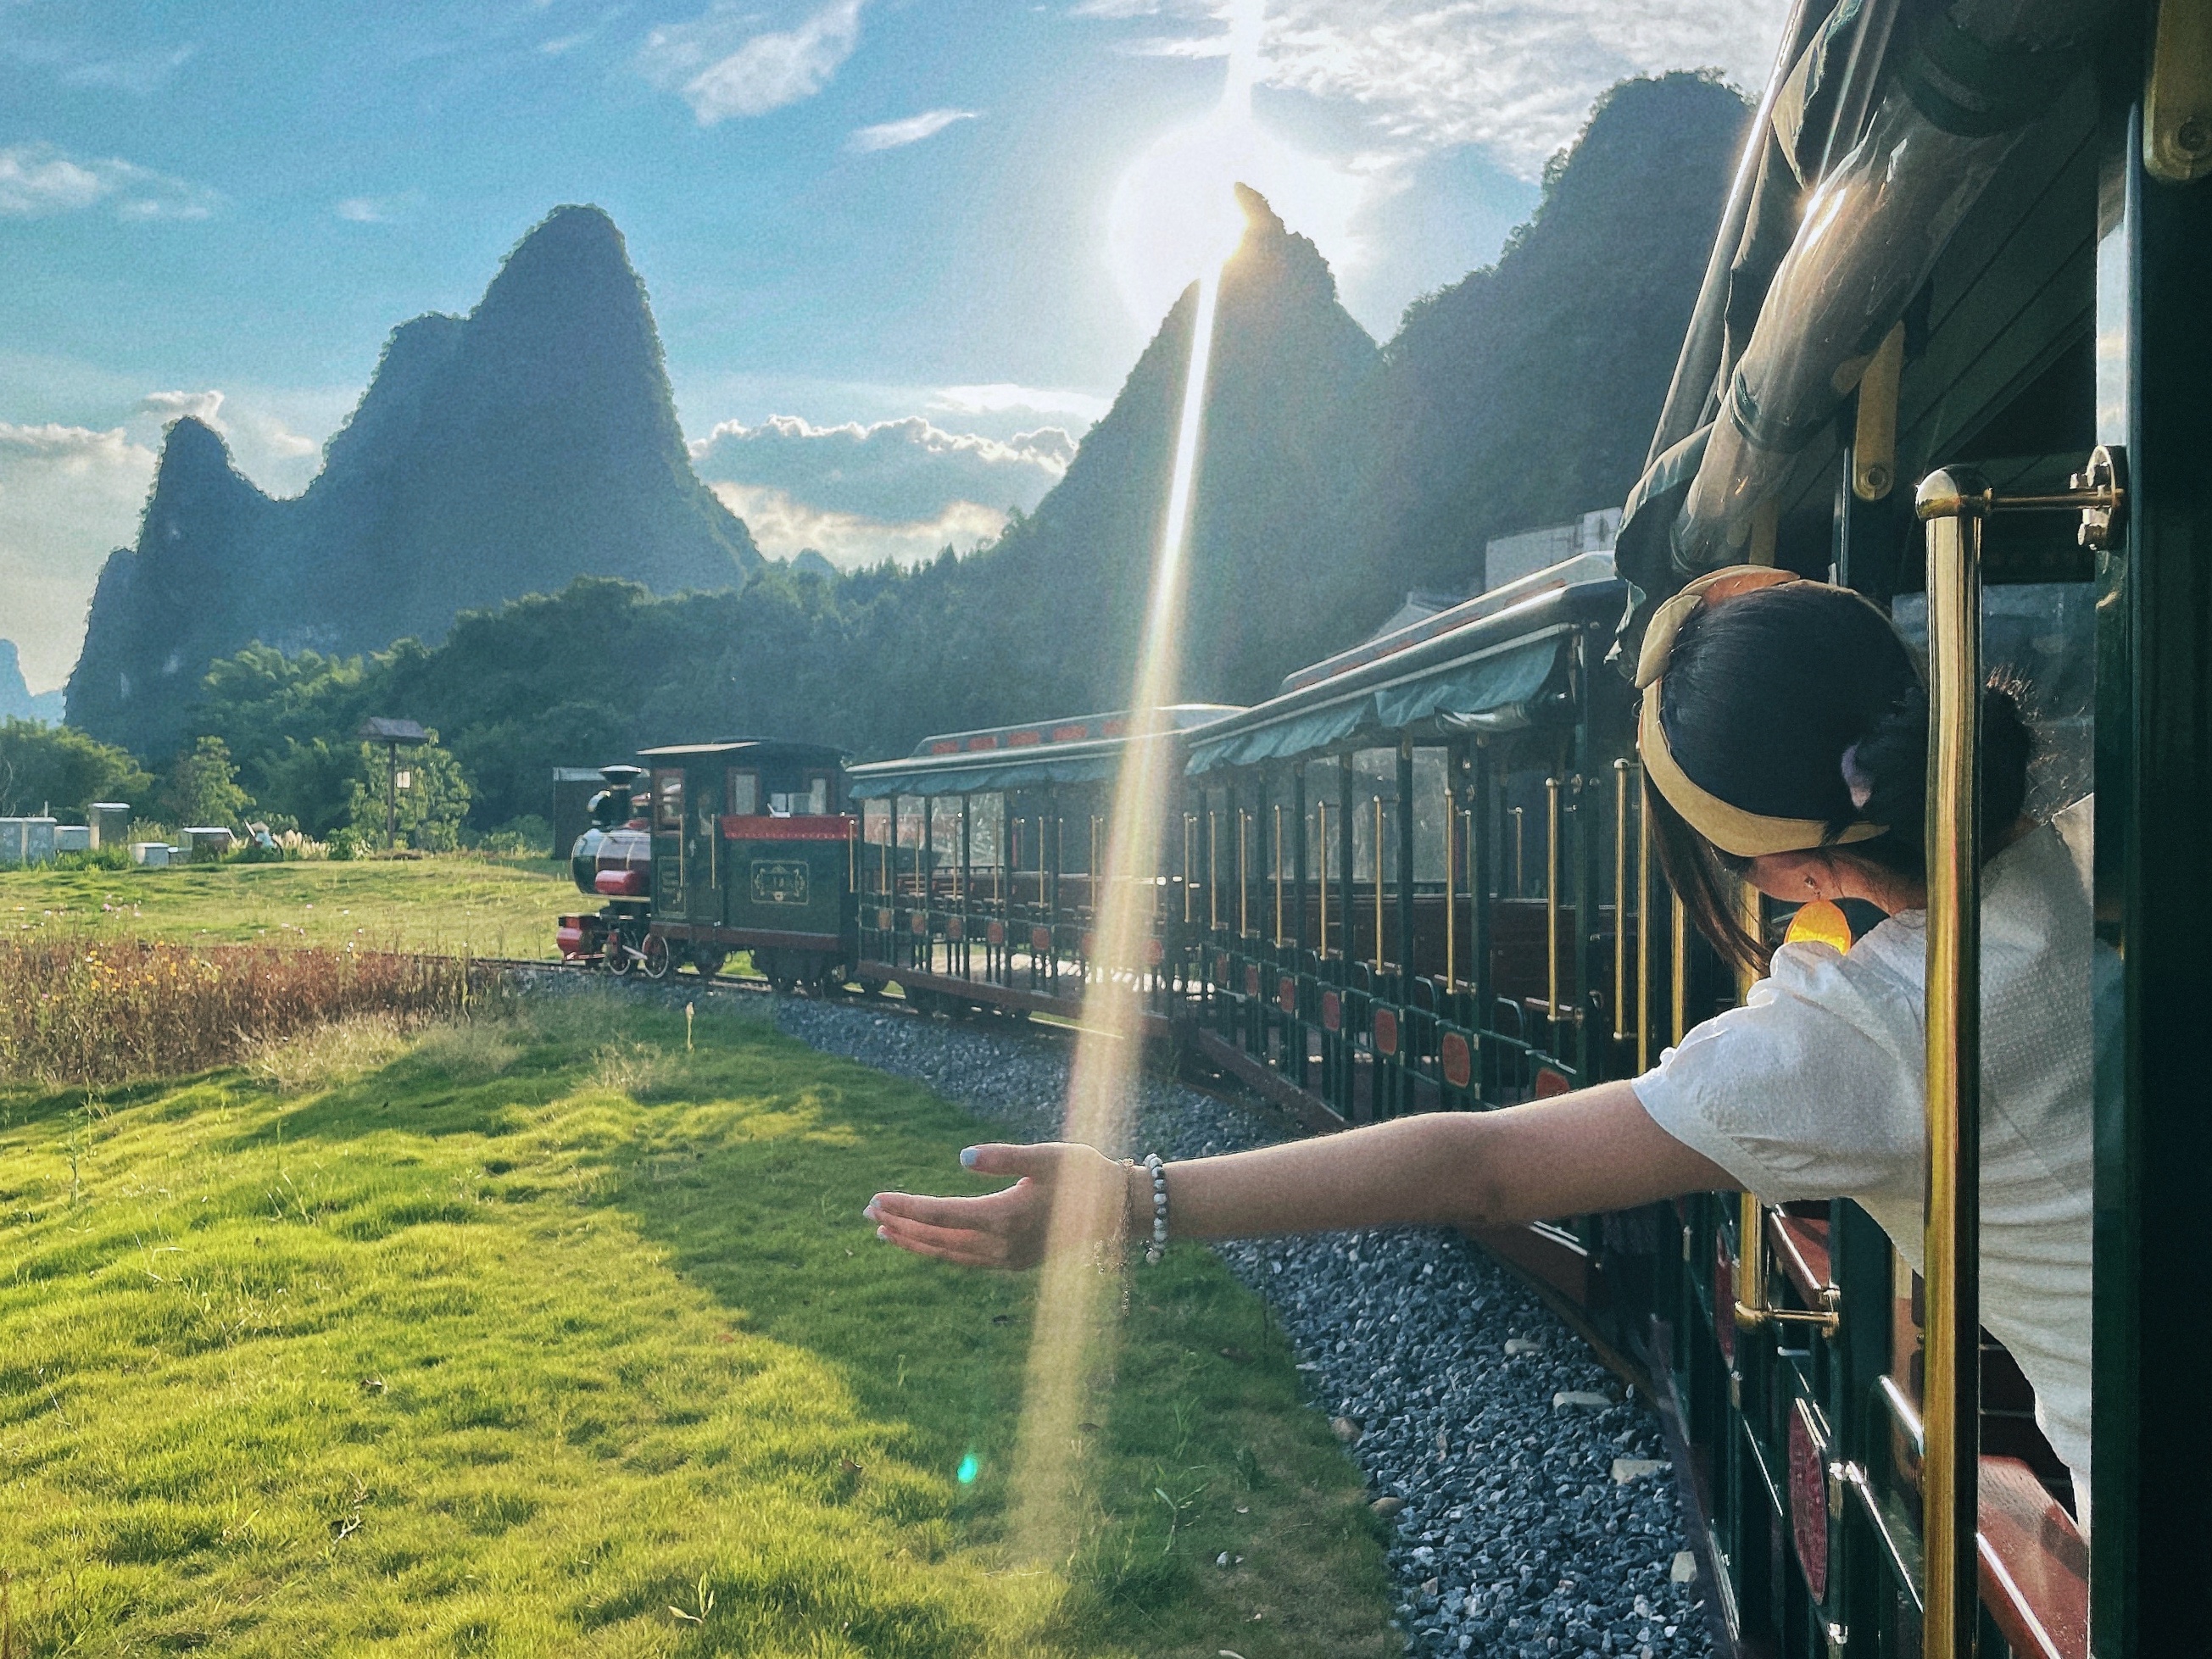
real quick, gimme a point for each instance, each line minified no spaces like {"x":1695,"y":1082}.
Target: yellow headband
{"x":1731,"y":828}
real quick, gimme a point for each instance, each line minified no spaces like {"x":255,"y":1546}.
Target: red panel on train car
{"x":995,"y":933}
{"x":1024,"y":739}
{"x":1809,"y":1500}
{"x":1550,"y":1082}
{"x":1041,"y":941}
{"x":1073,"y":733}
{"x":977,"y":745}
{"x":918,"y":922}
{"x":883,"y":922}
{"x":953,"y":930}
{"x":1286,"y":994}
{"x":1386,"y":1032}
{"x":1331,"y":1012}
{"x":1251,"y":979}
{"x":829,"y":826}
{"x":1155,"y":953}
{"x":1088,"y":945}
{"x":620,"y":884}
{"x":1458,"y":1061}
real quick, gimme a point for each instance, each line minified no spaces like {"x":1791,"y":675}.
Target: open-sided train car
{"x":980,"y":865}
{"x":1967,"y":247}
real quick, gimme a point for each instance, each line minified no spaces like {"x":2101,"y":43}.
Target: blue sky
{"x":847,"y":212}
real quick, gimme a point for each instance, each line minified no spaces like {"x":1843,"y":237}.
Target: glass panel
{"x":817,"y":794}
{"x":668,"y":800}
{"x":1430,"y":805}
{"x":744,"y":794}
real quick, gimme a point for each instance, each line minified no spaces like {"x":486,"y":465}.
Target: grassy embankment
{"x":544,"y":1335}
{"x":459,"y":904}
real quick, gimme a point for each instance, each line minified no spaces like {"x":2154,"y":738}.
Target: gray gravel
{"x":1444,"y":1373}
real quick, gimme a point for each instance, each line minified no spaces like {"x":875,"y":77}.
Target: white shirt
{"x":1816,"y":1088}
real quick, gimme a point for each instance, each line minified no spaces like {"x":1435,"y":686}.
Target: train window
{"x":817,"y":794}
{"x":668,"y":800}
{"x":744,"y":794}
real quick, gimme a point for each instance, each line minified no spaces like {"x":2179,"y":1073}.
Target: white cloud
{"x":206,"y":407}
{"x":723,"y":63}
{"x":906,"y":471}
{"x":68,"y":495}
{"x":140,"y":76}
{"x":783,"y":525}
{"x":1514,"y":78}
{"x":895,"y":134}
{"x":38,"y":181}
{"x":999,"y":397}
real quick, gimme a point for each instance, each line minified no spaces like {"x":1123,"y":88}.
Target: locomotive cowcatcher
{"x":715,"y":848}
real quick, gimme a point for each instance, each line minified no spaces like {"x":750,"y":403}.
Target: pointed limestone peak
{"x":1272,"y":254}
{"x":195,"y":471}
{"x":571,"y":268}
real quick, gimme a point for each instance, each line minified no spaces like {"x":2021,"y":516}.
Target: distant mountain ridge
{"x":491,"y":456}
{"x":16,"y":702}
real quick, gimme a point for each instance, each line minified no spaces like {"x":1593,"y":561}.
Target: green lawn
{"x":543,"y":1335}
{"x":485,"y":907}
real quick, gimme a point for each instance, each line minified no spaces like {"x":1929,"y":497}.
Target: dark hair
{"x":1763,"y":696}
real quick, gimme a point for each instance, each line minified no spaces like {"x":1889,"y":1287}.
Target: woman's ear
{"x":1795,"y":878}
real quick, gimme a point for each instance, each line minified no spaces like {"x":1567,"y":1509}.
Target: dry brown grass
{"x":113,"y":1010}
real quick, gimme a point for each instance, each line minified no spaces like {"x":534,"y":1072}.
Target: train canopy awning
{"x":1454,"y":695}
{"x":967,"y":775}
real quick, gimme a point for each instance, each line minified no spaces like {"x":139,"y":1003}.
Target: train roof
{"x":820,"y":754}
{"x":1488,"y":665}
{"x":1081,"y":749}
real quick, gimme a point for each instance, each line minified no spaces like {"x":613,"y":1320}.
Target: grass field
{"x":484,"y":907}
{"x":546,"y":1335}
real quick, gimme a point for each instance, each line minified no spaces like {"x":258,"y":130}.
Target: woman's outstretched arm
{"x":1595,"y":1149}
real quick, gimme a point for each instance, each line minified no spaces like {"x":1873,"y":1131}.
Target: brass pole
{"x":1619,"y":900}
{"x":1189,"y":825}
{"x":1243,"y":874}
{"x":1451,"y":917}
{"x":852,"y":855}
{"x":1642,"y":934}
{"x":1520,"y":863}
{"x":1378,"y":886}
{"x":1678,"y":965}
{"x":1551,"y":898}
{"x":1951,"y":1396}
{"x":1321,"y":820}
{"x":1212,"y":886}
{"x":1090,"y":875}
{"x":1279,"y":875}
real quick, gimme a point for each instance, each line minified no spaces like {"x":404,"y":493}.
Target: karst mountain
{"x":493,"y":455}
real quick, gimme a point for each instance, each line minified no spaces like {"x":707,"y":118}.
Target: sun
{"x":1173,"y":212}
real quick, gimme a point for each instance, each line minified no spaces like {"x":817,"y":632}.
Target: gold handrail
{"x":1642,"y":934}
{"x":1950,"y":1396}
{"x":1620,"y":899}
{"x":1279,"y":875}
{"x":1552,"y":901}
{"x":1243,"y":876}
{"x":1321,"y":868}
{"x":1378,"y":890}
{"x":1451,"y":918}
{"x":1188,"y":824}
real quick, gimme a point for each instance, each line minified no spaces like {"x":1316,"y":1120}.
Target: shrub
{"x":119,"y":1009}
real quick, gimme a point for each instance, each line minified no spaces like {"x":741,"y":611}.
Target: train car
{"x":1966,"y":247}
{"x":978,"y":869}
{"x":717,"y":847}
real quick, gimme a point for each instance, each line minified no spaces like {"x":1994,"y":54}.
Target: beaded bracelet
{"x":1158,"y":1247}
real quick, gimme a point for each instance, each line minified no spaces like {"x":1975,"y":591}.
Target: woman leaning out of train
{"x":1783,"y":733}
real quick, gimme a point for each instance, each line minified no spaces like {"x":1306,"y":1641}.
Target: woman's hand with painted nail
{"x":1010,"y":1228}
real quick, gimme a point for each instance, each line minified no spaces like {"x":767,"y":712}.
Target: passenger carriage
{"x":980,"y":861}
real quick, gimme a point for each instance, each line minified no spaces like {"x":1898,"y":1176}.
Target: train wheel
{"x":654,"y":958}
{"x":707,"y":960}
{"x":619,"y":958}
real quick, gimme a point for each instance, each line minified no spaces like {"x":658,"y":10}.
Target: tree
{"x":202,"y":787}
{"x":430,"y":791}
{"x":60,"y":768}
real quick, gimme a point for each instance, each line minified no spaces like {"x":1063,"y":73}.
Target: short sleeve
{"x":1812,"y":1089}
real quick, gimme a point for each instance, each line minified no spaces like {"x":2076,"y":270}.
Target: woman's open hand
{"x":1008,"y":1228}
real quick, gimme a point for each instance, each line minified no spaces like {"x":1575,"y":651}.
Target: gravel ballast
{"x":1531,"y":1508}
